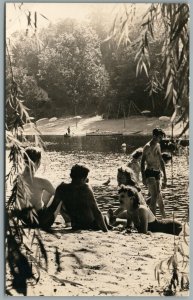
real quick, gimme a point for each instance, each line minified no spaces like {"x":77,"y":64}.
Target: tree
{"x":168,"y":23}
{"x":66,"y":62}
{"x":70,"y":67}
{"x":119,"y":61}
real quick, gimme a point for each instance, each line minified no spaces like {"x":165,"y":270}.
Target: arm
{"x":143,"y":159}
{"x":118,"y":211}
{"x":47,"y":186}
{"x":143,"y":218}
{"x":96,"y":211}
{"x":129,"y":221}
{"x":162,"y":165}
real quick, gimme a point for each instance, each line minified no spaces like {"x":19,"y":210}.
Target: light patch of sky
{"x":16,"y":19}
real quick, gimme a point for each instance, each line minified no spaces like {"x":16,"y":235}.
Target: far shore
{"x":138,"y":125}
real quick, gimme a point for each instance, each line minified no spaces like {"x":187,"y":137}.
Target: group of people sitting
{"x":76,"y":202}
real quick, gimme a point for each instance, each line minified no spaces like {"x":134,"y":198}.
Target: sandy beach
{"x":105,"y":264}
{"x":113,"y":263}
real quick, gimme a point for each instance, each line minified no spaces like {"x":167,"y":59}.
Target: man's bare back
{"x":41,"y":190}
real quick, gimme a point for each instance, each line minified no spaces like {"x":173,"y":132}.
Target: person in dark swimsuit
{"x":142,"y":217}
{"x":151,"y":175}
{"x":79,"y":201}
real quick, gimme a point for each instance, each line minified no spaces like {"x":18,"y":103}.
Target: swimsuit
{"x":165,"y":226}
{"x":153,"y":173}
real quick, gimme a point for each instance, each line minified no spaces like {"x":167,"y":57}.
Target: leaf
{"x":44,"y":17}
{"x":145,"y":69}
{"x":169,"y":89}
{"x":43,"y":251}
{"x":145,"y":23}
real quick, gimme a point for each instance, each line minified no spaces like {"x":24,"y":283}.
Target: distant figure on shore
{"x":79,"y":201}
{"x":151,"y":175}
{"x":68,"y":132}
{"x":142,"y":217}
{"x":40,"y":192}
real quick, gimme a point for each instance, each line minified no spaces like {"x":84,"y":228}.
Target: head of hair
{"x":137,"y":153}
{"x":79,"y":172}
{"x":131,"y":192}
{"x":166,"y":156}
{"x":129,"y":175}
{"x":32,"y":154}
{"x":158,"y":132}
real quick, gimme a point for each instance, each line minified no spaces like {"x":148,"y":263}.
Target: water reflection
{"x":106,"y":144}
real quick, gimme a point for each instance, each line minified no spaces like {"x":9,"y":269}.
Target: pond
{"x":103,"y":155}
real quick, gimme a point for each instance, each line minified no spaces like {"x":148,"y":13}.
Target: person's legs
{"x":160,"y":200}
{"x":152,"y":188}
{"x":48,"y":214}
{"x":166,"y":226}
{"x":65,"y":216}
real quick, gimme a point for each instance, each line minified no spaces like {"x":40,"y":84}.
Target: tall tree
{"x":168,"y":23}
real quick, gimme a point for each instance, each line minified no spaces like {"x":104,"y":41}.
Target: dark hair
{"x":158,"y":131}
{"x":137,"y":153}
{"x":130,"y":177}
{"x":166,"y":157}
{"x":131,"y":192}
{"x":33,"y":154}
{"x":79,"y":172}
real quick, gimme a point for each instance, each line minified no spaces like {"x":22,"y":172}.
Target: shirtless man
{"x":39,"y":192}
{"x":79,"y":201}
{"x":154,"y":165}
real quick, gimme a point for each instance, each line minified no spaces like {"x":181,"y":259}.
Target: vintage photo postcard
{"x":97,"y":149}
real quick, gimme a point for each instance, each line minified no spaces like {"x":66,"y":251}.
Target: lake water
{"x":103,"y":155}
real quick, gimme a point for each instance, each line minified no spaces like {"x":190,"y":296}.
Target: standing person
{"x":79,"y":201}
{"x":68,"y":130}
{"x":151,"y":175}
{"x":39,"y":193}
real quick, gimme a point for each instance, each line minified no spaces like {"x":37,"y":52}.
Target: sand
{"x":99,"y":264}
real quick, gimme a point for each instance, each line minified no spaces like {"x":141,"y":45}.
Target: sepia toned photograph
{"x":97,"y":149}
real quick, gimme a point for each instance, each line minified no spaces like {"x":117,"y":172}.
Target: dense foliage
{"x":78,"y":67}
{"x":66,"y":65}
{"x":167,"y":24}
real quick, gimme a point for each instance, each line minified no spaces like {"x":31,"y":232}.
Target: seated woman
{"x":142,"y":217}
{"x":125,"y":176}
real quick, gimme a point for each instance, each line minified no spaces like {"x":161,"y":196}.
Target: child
{"x":134,"y":162}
